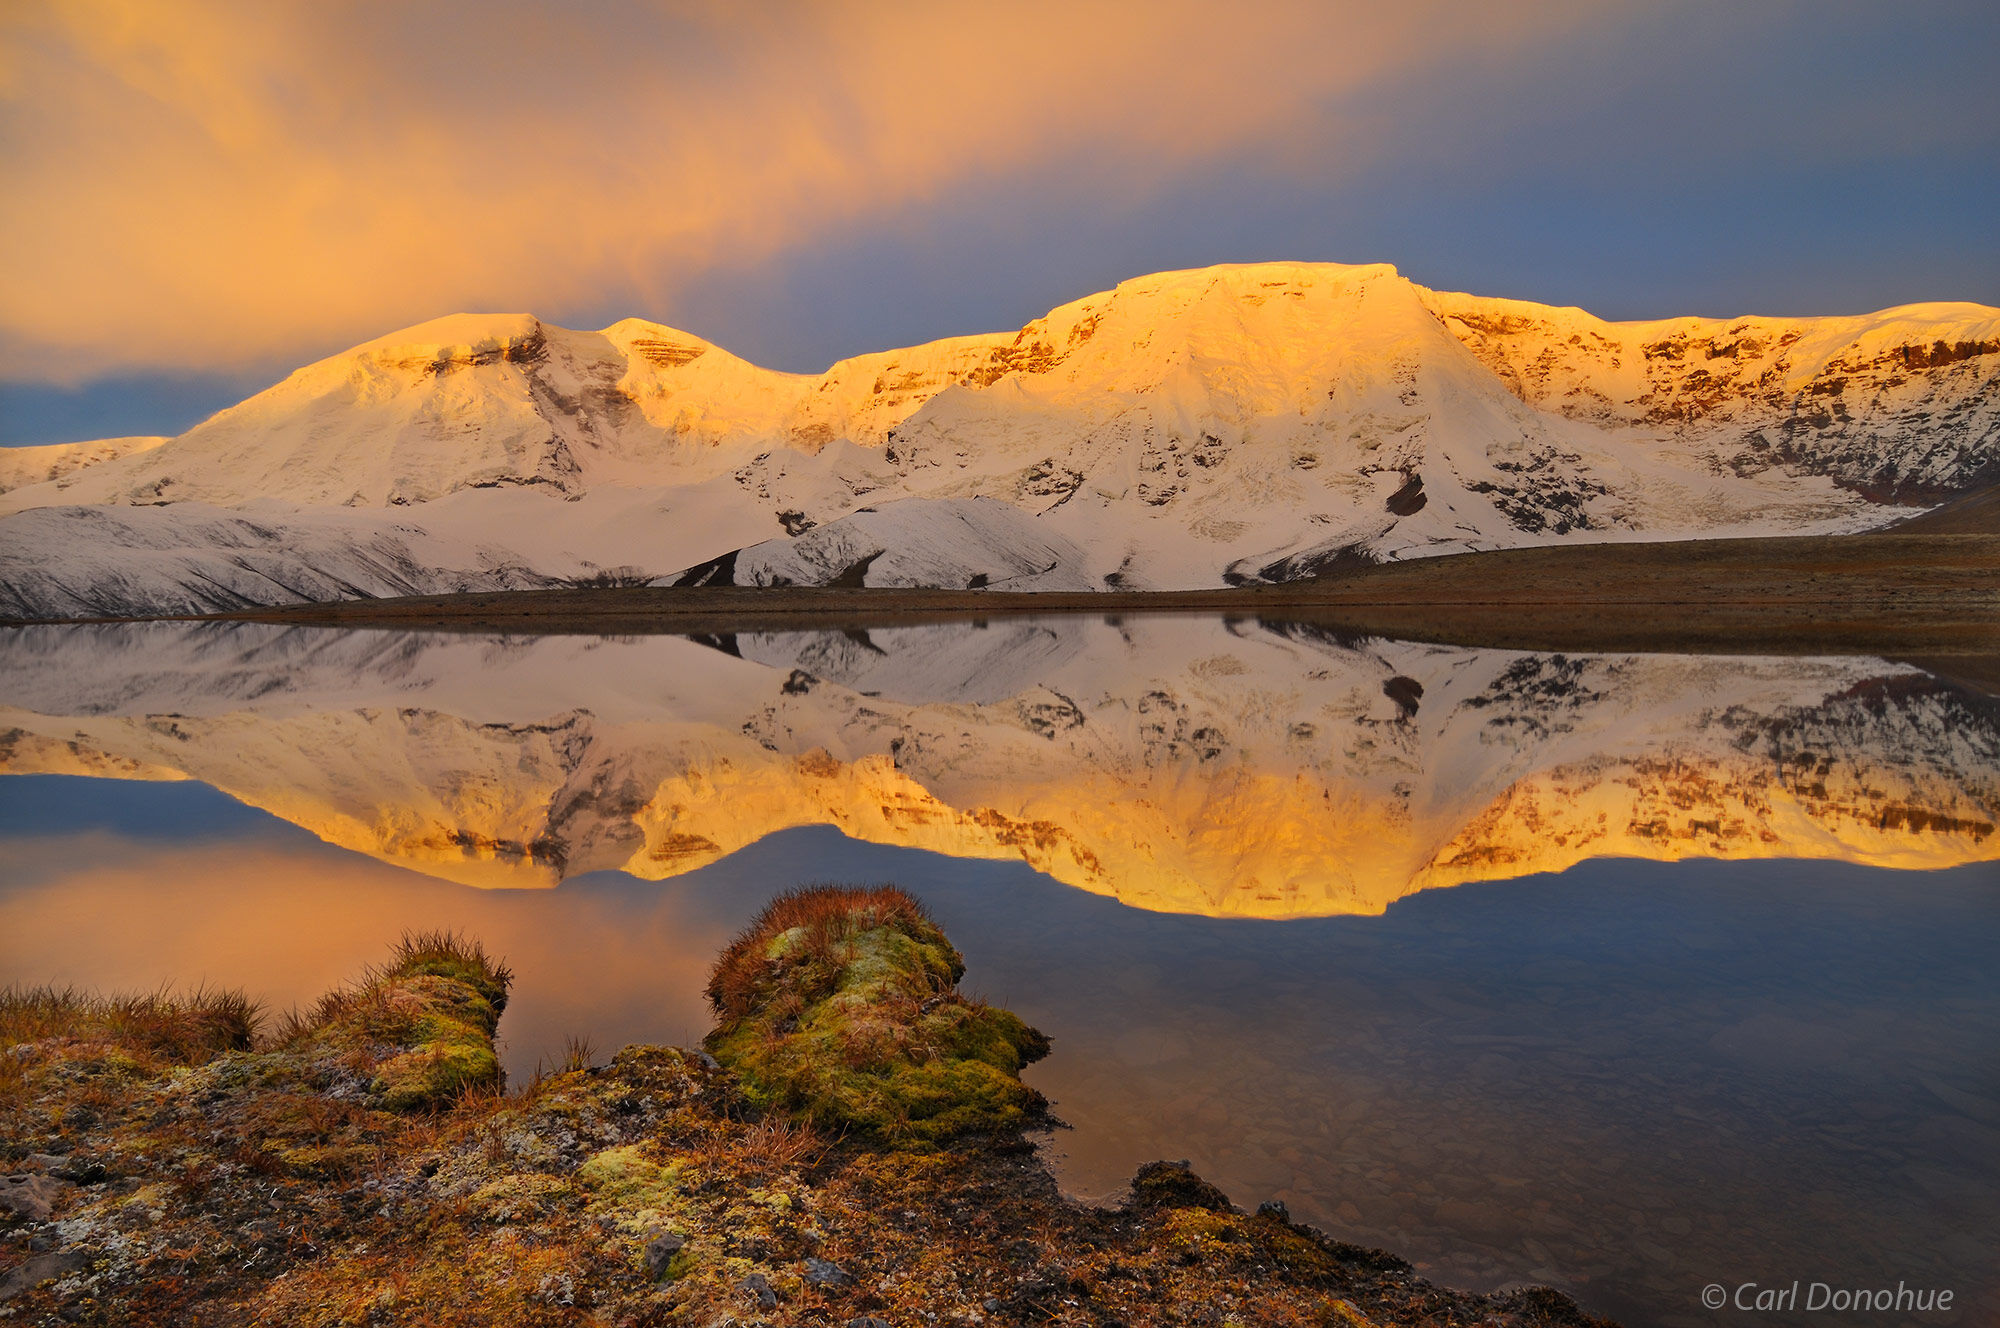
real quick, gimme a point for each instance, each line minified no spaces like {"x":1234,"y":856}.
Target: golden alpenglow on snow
{"x":1173,"y":764}
{"x":861,"y":665}
{"x":1228,"y":425}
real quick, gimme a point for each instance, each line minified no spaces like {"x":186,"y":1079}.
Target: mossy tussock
{"x":419,"y":1029}
{"x":840,"y":1005}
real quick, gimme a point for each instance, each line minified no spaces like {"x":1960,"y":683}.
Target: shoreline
{"x":848,"y":1147}
{"x":1897,"y":594}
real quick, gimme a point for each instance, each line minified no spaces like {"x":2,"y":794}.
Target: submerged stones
{"x":841,"y":1005}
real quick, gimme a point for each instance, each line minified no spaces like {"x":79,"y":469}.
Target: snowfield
{"x":1226,"y":425}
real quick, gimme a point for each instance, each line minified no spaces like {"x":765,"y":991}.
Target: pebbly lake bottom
{"x":1632,"y":1080}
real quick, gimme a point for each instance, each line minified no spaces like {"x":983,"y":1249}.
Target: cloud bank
{"x":199,"y":185}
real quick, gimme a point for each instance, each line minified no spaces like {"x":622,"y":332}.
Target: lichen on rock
{"x":840,"y":1005}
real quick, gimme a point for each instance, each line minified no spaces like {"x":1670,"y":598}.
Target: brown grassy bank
{"x":1888,"y":593}
{"x":1893,"y":593}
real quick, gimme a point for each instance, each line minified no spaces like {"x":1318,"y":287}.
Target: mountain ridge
{"x":1240,"y":423}
{"x":797,"y":410}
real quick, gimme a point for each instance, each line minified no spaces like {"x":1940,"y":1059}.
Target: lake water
{"x":1629,"y":974}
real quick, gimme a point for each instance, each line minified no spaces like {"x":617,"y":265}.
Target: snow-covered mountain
{"x":1228,"y":424}
{"x":1183,"y":764}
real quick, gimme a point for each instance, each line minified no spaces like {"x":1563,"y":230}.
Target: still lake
{"x":1629,"y":974}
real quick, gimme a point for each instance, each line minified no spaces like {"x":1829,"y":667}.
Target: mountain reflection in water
{"x":1230,"y":768}
{"x":1629,"y":1080}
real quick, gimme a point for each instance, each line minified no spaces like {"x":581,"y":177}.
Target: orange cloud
{"x":201,"y":184}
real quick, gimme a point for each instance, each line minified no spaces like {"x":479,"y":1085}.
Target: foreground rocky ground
{"x":847,"y":1150}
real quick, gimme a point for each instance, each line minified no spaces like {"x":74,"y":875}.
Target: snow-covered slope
{"x":1241,"y":423}
{"x":1179,"y":764}
{"x":964,"y":543}
{"x":506,"y":401}
{"x":22,"y":466}
{"x":111,"y":561}
{"x":211,"y":559}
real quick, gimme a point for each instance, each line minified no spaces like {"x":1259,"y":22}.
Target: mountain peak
{"x":1244,"y":421}
{"x":452,"y":337}
{"x":1253,"y":274}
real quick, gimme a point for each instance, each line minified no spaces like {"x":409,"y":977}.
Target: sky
{"x":201,"y":196}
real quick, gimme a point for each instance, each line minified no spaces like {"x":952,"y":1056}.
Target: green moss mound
{"x":446,"y":954}
{"x":1173,"y":1185}
{"x":840,"y":1005}
{"x":420,"y":1029}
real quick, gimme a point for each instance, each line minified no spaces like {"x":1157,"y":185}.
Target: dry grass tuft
{"x":184,"y":1028}
{"x":782,"y":1145}
{"x":579,"y":1054}
{"x":375,"y":1005}
{"x":449,"y":954}
{"x":828,"y":916}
